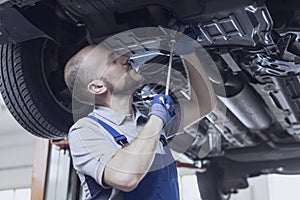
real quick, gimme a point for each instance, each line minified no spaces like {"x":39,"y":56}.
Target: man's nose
{"x":125,"y":58}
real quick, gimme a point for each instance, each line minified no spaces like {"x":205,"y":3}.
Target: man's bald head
{"x":84,"y":67}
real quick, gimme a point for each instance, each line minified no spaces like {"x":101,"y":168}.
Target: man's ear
{"x":97,"y":87}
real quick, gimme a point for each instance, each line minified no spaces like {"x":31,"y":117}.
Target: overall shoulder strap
{"x":119,"y":138}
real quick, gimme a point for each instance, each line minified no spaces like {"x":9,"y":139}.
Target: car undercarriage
{"x":255,"y":46}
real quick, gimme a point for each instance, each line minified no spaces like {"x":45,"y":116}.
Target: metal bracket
{"x":22,"y":3}
{"x":263,"y":65}
{"x":248,"y":26}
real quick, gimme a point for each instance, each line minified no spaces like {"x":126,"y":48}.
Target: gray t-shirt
{"x":92,"y":146}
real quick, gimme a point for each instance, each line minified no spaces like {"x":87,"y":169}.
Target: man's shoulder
{"x":88,"y":130}
{"x":85,"y":124}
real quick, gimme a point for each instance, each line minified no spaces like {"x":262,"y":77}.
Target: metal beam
{"x":40,"y":166}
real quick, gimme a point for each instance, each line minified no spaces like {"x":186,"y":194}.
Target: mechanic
{"x":118,"y":152}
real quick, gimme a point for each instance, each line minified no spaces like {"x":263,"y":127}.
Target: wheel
{"x":210,"y":186}
{"x":32,"y":86}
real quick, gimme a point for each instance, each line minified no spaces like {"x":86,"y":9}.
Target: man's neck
{"x":122,"y":104}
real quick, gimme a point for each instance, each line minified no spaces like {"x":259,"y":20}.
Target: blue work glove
{"x":162,"y":106}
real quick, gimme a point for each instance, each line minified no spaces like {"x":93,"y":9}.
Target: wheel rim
{"x":50,"y":69}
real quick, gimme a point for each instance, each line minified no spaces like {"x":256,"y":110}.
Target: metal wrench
{"x":169,"y":71}
{"x":170,"y":67}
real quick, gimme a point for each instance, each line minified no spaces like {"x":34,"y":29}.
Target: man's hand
{"x":162,"y":106}
{"x":61,"y":144}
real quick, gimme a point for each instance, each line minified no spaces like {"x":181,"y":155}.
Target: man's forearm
{"x":130,"y":164}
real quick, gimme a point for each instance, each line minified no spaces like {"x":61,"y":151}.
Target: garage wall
{"x":271,"y":187}
{"x":16,"y":152}
{"x":284,"y":187}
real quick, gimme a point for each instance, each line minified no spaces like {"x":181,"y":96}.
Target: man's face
{"x":120,"y":74}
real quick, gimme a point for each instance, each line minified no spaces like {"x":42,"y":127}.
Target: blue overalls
{"x":161,"y":184}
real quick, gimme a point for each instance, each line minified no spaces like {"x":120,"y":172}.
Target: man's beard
{"x":129,"y":87}
{"x":108,"y":84}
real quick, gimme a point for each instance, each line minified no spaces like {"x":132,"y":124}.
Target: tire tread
{"x":17,"y":96}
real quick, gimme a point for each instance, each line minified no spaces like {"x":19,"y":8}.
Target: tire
{"x":26,"y":91}
{"x":209,"y":184}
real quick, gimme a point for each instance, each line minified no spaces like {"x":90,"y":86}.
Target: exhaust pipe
{"x":244,"y":102}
